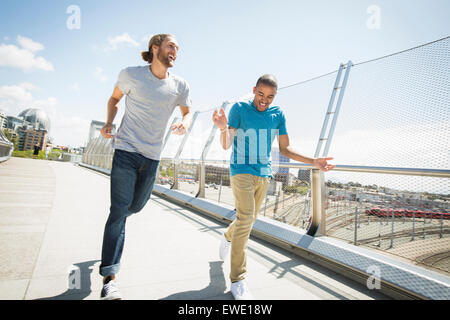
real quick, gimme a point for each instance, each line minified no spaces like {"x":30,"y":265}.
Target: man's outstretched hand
{"x":322,"y":164}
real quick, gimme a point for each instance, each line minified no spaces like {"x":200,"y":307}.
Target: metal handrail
{"x":436,"y":173}
{"x":318,"y":221}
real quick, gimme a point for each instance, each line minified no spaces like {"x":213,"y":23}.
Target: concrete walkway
{"x":52,"y":216}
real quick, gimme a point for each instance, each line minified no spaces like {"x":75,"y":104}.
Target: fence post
{"x":220,"y":188}
{"x":175,"y":176}
{"x":356,"y":227}
{"x":392,"y":231}
{"x":424,"y":223}
{"x":201,"y":180}
{"x":265,"y":206}
{"x":275,"y":209}
{"x":380,"y":223}
{"x":318,"y":223}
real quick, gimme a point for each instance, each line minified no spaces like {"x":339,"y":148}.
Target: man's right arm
{"x":111,"y":112}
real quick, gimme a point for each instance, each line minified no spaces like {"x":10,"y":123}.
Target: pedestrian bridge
{"x":375,"y":227}
{"x":51,"y":226}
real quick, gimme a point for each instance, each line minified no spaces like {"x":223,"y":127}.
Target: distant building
{"x":3,"y":119}
{"x":31,"y":126}
{"x":217,"y":175}
{"x":286,"y":179}
{"x":274,"y":188}
{"x":36,"y":117}
{"x":13,"y":123}
{"x":304,"y":175}
{"x":280,"y":174}
{"x":28,"y":138}
{"x":96,"y":126}
{"x":278,"y":157}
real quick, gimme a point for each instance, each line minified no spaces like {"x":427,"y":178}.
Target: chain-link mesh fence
{"x":395,"y":114}
{"x":305,"y":105}
{"x":411,"y":225}
{"x":396,"y":111}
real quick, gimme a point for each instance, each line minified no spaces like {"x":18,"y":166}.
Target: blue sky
{"x":224,"y":47}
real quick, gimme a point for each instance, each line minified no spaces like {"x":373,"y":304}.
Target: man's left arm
{"x":287,"y":151}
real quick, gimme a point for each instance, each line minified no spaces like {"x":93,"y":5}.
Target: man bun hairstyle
{"x":268,"y":80}
{"x":155,"y":40}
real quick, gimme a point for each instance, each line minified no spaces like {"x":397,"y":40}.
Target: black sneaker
{"x":110,"y":291}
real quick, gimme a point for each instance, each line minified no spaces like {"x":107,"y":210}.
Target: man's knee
{"x":133,"y":210}
{"x":136,"y":207}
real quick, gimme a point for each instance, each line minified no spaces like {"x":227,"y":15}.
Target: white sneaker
{"x":240,"y":291}
{"x":224,"y":249}
{"x":111,"y":291}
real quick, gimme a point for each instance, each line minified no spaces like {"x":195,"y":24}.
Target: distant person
{"x":36,"y":149}
{"x":152,"y":93}
{"x":47,"y":151}
{"x":251,"y":129}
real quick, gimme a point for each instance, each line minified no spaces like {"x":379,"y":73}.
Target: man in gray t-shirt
{"x":152,"y":94}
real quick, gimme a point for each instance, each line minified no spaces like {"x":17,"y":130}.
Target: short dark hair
{"x":268,"y":80}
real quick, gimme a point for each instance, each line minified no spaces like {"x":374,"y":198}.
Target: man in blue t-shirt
{"x":251,"y":128}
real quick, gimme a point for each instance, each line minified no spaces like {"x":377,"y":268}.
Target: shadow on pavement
{"x":79,"y":282}
{"x":215,"y":290}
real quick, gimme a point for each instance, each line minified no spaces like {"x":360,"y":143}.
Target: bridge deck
{"x":52,"y":216}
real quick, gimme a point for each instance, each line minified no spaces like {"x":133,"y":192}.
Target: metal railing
{"x":315,"y":212}
{"x":6,"y":147}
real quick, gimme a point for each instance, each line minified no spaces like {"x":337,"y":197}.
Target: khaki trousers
{"x":249,"y":192}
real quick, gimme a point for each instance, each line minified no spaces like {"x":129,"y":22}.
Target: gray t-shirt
{"x":149,"y":104}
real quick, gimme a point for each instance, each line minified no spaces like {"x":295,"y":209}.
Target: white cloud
{"x":15,"y":93}
{"x":29,"y":44}
{"x":28,"y":86}
{"x":120,"y":40}
{"x":98,"y":74}
{"x":46,"y":103}
{"x":24,"y":57}
{"x":16,"y":98}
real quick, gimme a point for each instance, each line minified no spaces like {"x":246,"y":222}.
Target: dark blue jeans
{"x":132,"y":180}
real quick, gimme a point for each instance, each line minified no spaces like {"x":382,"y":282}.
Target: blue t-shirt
{"x":254,"y":136}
